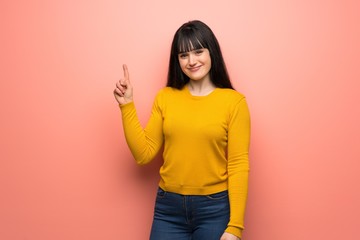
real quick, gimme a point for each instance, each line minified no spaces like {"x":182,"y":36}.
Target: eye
{"x":199,"y":51}
{"x":183,"y":55}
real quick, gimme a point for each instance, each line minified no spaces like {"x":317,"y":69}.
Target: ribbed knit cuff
{"x":234,"y":230}
{"x":126,"y":105}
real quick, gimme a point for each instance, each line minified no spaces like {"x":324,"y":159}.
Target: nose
{"x":192,"y":59}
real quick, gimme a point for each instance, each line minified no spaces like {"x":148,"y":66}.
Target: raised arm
{"x":143,"y":143}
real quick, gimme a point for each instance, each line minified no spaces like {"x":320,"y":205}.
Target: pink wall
{"x":65,"y":169}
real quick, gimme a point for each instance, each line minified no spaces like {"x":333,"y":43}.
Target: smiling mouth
{"x":194,"y":69}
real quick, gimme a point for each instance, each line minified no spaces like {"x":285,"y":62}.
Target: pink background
{"x":65,"y":169}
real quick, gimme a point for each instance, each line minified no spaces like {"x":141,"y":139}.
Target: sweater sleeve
{"x":144,"y":143}
{"x":238,"y":165}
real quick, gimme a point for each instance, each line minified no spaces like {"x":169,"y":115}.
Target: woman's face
{"x":196,"y":64}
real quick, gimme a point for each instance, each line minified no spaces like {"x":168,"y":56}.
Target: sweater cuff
{"x":126,"y":105}
{"x":234,"y":230}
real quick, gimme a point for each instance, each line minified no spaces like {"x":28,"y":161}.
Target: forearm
{"x":143,"y":143}
{"x":238,"y":191}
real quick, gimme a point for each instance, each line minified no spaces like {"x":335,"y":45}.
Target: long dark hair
{"x":191,"y":36}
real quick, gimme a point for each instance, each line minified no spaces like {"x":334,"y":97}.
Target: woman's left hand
{"x":229,"y":236}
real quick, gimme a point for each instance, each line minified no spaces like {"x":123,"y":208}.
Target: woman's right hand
{"x":124,"y":92}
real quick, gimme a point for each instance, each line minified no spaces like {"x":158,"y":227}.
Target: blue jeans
{"x":190,"y":217}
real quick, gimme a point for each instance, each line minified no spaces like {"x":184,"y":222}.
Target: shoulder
{"x":168,"y":91}
{"x":236,"y":103}
{"x":166,"y":94}
{"x":231,"y":94}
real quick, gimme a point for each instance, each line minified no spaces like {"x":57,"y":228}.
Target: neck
{"x":200,"y":87}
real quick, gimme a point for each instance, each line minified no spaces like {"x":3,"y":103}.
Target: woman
{"x":204,"y":125}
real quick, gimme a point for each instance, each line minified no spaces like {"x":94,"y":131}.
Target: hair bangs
{"x":189,"y":41}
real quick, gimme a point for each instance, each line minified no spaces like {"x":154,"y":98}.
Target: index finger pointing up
{"x":126,"y":72}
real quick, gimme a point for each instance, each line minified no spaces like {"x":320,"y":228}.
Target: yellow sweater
{"x":206,"y":142}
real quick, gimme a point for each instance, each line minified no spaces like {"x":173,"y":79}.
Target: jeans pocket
{"x":160,"y":193}
{"x":218,"y":196}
